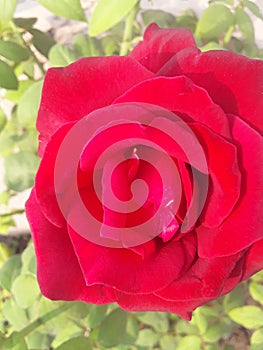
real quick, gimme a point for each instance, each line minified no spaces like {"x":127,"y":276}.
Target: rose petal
{"x":70,"y":93}
{"x":245,"y":225}
{"x":201,"y":281}
{"x":224,"y":189}
{"x":180,"y":94}
{"x":233,"y":81}
{"x":159,"y":45}
{"x":125,"y":270}
{"x":58,"y":270}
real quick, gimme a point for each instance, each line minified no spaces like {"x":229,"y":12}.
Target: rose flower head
{"x":150,"y":188}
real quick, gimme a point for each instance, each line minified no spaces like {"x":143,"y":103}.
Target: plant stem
{"x":13,"y":212}
{"x":43,"y":319}
{"x":128,"y":31}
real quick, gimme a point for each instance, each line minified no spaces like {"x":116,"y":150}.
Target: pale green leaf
{"x":168,"y":342}
{"x":14,"y":314}
{"x":215,"y":21}
{"x":16,"y":342}
{"x":25,"y":289}
{"x":60,"y":56}
{"x":253,"y":7}
{"x":78,"y":343}
{"x":70,"y":9}
{"x":112,"y":328}
{"x":245,"y":25}
{"x":256,"y":291}
{"x":20,"y":170}
{"x":9,"y":271}
{"x":13,"y":51}
{"x":28,"y":105}
{"x":256,"y":340}
{"x":3,"y":119}
{"x":8,"y":79}
{"x":147,"y":337}
{"x":249,"y":316}
{"x":7,"y":10}
{"x":189,"y":342}
{"x":107,"y":13}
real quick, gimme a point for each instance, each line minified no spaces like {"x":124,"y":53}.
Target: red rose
{"x":186,"y":123}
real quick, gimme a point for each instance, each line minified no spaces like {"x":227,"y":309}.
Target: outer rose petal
{"x":233,"y":81}
{"x":72,"y":92}
{"x":151,"y":302}
{"x":159,"y":45}
{"x":127,"y":271}
{"x":204,"y":280}
{"x":180,"y":94}
{"x":245,"y":225}
{"x":58,"y":270}
{"x":254,"y":261}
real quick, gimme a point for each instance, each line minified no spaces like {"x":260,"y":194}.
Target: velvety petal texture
{"x":174,"y":141}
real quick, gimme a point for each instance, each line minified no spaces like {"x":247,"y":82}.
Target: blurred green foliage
{"x":27,"y":319}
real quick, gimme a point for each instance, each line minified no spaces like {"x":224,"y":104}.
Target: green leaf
{"x":112,"y":328}
{"x":70,"y":330}
{"x":15,"y":95}
{"x":60,"y":56}
{"x":39,"y":341}
{"x":189,"y":342}
{"x":147,"y":337}
{"x":132,"y":330}
{"x":256,"y":291}
{"x":9,"y":271}
{"x":25,"y":23}
{"x":25,"y":290}
{"x":168,"y":342}
{"x":3,"y":119}
{"x":80,"y":343}
{"x":6,"y":222}
{"x":245,"y":26}
{"x":187,"y":19}
{"x":7,"y":10}
{"x":13,"y":51}
{"x":87,"y":46}
{"x":183,"y":327}
{"x":28,"y":260}
{"x":96,"y":315}
{"x":215,"y":21}
{"x":4,"y":197}
{"x":256,"y":340}
{"x":162,"y":18}
{"x":70,"y":9}
{"x":28,"y":105}
{"x":15,"y":342}
{"x":8,"y":79}
{"x":221,"y":329}
{"x":234,"y":299}
{"x":258,"y":277}
{"x":200,"y":321}
{"x":14,"y":314}
{"x":20,"y":170}
{"x":4,"y":253}
{"x":211,"y":46}
{"x":42,"y":41}
{"x":253,"y":8}
{"x":107,"y":13}
{"x":110,"y":45}
{"x":157,"y":320}
{"x":249,"y":316}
